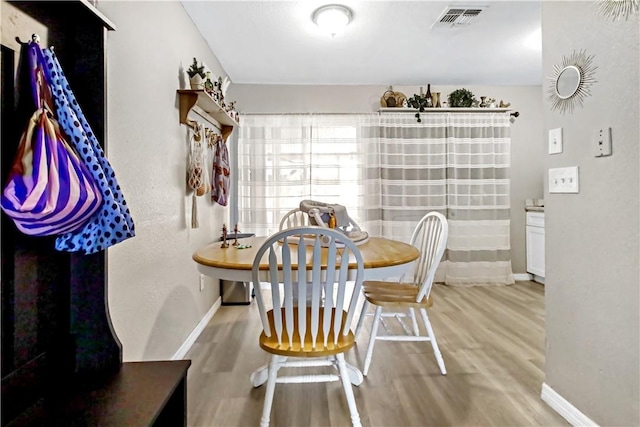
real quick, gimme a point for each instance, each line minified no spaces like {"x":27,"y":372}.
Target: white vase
{"x":196,"y":82}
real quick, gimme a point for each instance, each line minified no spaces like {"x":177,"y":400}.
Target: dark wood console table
{"x":139,"y":394}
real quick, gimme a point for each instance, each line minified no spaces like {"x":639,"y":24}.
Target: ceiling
{"x":386,"y":43}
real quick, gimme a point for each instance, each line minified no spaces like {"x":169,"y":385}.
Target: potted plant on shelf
{"x":461,"y":98}
{"x":196,"y":75}
{"x":420,"y":102}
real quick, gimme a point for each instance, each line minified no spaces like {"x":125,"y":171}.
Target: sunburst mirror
{"x":617,"y":9}
{"x":570,"y":82}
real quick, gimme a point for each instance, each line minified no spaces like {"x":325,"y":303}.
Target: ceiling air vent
{"x":457,"y":16}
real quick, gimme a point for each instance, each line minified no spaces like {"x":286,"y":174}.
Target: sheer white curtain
{"x":457,"y":164}
{"x":283,"y":159}
{"x":413,"y":166}
{"x":479,"y":200}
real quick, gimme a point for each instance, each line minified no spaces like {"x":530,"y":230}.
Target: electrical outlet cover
{"x":602,"y":142}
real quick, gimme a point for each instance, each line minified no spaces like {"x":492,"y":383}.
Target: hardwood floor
{"x":491,"y":338}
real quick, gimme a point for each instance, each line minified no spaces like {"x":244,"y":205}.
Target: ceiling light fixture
{"x":332,"y":18}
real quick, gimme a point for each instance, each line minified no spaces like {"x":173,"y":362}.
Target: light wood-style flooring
{"x":491,"y":338}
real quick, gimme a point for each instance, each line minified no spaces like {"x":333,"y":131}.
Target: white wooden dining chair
{"x":400,"y":298}
{"x":294,"y":218}
{"x":307,"y":330}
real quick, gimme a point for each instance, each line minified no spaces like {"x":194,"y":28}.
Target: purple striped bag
{"x":49,"y":190}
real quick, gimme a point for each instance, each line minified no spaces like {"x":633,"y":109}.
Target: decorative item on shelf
{"x":231,"y":109}
{"x":491,"y":103}
{"x":388,"y":99}
{"x":429,"y":97}
{"x":196,"y":75}
{"x":419,"y":102}
{"x":483,"y":102}
{"x":504,"y":104}
{"x":219,"y":92}
{"x":461,"y":98}
{"x":570,"y":81}
{"x":224,"y":85}
{"x":392,"y":99}
{"x":436,"y":100}
{"x":208,"y":84}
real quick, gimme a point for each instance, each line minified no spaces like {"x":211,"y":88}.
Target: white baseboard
{"x":522,"y":277}
{"x":538,"y":279}
{"x":563,"y":407}
{"x":193,"y":336}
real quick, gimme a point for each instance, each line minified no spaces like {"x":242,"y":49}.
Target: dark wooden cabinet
{"x":61,"y":359}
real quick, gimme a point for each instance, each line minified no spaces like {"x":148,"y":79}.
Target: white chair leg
{"x":269,"y":392}
{"x":414,"y":322}
{"x":363,"y":314}
{"x":348,"y":391}
{"x":372,"y":339}
{"x":434,"y":344}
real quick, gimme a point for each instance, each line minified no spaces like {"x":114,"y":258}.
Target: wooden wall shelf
{"x":203,"y":104}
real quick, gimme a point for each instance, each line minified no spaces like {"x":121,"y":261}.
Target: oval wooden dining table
{"x":383,"y":259}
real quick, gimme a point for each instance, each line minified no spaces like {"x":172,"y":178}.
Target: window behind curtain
{"x":283,"y":159}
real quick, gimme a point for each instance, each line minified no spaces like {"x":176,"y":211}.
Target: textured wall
{"x":153,"y":283}
{"x":592,"y":238}
{"x":526,"y":131}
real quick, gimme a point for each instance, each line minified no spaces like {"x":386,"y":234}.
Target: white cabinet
{"x":535,"y":244}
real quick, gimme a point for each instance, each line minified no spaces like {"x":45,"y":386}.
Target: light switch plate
{"x":564,"y":180}
{"x":555,"y":141}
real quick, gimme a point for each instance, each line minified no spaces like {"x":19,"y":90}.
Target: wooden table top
{"x":376,"y":253}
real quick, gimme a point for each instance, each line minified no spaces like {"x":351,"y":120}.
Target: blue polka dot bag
{"x":112,"y":223}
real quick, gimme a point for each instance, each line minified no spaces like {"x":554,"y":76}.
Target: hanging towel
{"x":50,"y":190}
{"x":112,"y":223}
{"x":221,"y":173}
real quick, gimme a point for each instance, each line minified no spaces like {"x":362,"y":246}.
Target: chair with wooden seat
{"x":308,"y":331}
{"x":400,"y":299}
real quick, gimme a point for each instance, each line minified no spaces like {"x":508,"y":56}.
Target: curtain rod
{"x":514,"y":114}
{"x":303,"y":114}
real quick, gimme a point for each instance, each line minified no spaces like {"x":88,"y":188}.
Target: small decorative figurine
{"x":220,"y":92}
{"x":235,"y":233}
{"x":208,"y":84}
{"x":224,"y":237}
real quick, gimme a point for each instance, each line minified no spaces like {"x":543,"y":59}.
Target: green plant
{"x":461,"y":98}
{"x":420,"y":102}
{"x":196,"y":69}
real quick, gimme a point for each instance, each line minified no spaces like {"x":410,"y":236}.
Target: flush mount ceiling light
{"x":332,"y":19}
